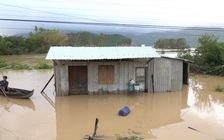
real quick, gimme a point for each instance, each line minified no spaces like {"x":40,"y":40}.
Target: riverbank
{"x":22,"y":62}
{"x":30,"y":59}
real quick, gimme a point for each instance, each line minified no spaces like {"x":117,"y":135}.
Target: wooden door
{"x":141,"y":77}
{"x":78,"y":80}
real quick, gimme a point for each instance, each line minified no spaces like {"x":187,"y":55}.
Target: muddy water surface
{"x":195,"y":113}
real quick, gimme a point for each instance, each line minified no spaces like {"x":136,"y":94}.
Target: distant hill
{"x":91,"y":39}
{"x":191,"y":35}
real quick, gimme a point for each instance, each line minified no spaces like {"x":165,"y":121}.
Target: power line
{"x":115,"y":24}
{"x":105,"y":18}
{"x":120,"y":3}
{"x":48,"y":12}
{"x":97,"y":16}
{"x":88,"y":23}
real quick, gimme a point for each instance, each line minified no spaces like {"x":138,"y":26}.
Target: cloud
{"x":181,"y":13}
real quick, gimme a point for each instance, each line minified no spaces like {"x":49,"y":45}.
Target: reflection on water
{"x":25,"y":103}
{"x":148,"y":111}
{"x":162,"y":116}
{"x":27,"y":119}
{"x":206,"y":105}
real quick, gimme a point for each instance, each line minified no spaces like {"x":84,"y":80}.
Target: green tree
{"x":5,"y":46}
{"x":210,"y":52}
{"x":171,"y":43}
{"x":42,"y":39}
{"x":209,"y":56}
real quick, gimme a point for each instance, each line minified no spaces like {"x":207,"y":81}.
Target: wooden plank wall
{"x":123,"y":72}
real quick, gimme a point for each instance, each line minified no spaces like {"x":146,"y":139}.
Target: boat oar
{"x":193,"y":129}
{"x":95,"y":128}
{"x":87,"y":137}
{"x":4,"y":94}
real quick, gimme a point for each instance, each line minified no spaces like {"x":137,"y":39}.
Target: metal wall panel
{"x":162,"y":75}
{"x":177,"y":75}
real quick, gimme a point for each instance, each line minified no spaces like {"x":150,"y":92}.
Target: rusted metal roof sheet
{"x":100,"y":53}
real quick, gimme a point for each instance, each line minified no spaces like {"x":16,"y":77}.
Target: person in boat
{"x":4,"y":84}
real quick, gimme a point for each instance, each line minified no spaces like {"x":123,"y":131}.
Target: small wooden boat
{"x":18,"y":93}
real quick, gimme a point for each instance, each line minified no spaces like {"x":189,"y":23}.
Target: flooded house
{"x":100,"y":70}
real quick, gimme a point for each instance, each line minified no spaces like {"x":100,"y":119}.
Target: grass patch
{"x":43,"y":65}
{"x":127,"y":138}
{"x":19,"y":66}
{"x":3,"y":63}
{"x":219,"y":88}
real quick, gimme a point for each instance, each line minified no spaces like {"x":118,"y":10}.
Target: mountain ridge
{"x":190,"y":34}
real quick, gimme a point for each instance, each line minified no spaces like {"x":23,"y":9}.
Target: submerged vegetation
{"x":219,"y":88}
{"x":3,"y":63}
{"x":20,"y":66}
{"x":127,"y":138}
{"x":43,"y":65}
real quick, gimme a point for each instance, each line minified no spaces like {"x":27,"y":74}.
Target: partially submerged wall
{"x":165,"y":75}
{"x":123,"y":71}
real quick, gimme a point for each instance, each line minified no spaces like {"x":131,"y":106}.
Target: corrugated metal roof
{"x":99,"y":53}
{"x":181,"y":59}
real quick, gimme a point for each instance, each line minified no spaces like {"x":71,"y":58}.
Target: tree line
{"x":41,"y":39}
{"x":171,"y":43}
{"x":207,"y":58}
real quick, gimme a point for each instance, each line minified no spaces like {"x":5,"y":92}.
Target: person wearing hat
{"x":4,"y":84}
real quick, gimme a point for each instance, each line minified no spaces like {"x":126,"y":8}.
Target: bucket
{"x":131,"y":87}
{"x":137,"y":87}
{"x":141,"y":87}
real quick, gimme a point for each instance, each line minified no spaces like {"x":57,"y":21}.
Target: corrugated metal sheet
{"x":162,"y":75}
{"x":177,"y":75}
{"x":99,"y":53}
{"x":168,"y":74}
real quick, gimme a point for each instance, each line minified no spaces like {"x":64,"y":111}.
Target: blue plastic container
{"x":124,"y":111}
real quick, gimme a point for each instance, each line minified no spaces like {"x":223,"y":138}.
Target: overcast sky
{"x":156,"y":14}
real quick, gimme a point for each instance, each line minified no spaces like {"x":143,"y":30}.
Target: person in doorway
{"x":4,"y":84}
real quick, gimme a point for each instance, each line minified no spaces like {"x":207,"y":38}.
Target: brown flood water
{"x":160,"y":116}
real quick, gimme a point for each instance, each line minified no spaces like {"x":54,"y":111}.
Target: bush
{"x":219,"y":88}
{"x":3,"y":63}
{"x":19,"y":66}
{"x":131,"y":138}
{"x":163,"y":51}
{"x":208,"y":58}
{"x":43,"y":65}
